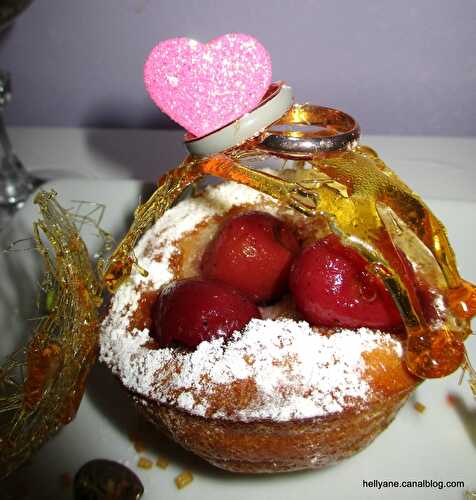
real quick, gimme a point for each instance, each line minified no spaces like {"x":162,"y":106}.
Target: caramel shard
{"x":144,"y":463}
{"x":419,"y":407}
{"x":183,"y":479}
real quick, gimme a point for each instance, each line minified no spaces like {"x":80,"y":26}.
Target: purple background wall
{"x":402,"y":67}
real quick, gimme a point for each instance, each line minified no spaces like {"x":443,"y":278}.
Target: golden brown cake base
{"x":268,"y":446}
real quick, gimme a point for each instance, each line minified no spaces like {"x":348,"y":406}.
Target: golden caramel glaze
{"x":371,"y":210}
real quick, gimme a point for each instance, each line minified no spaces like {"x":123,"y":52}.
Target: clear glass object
{"x":16,"y":183}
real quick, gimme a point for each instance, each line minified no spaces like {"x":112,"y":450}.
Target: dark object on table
{"x":106,"y":480}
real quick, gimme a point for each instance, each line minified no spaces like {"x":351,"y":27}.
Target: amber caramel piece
{"x":43,"y":364}
{"x":144,"y":463}
{"x":462,"y":300}
{"x":419,"y":407}
{"x":433,"y":353}
{"x":183,"y":479}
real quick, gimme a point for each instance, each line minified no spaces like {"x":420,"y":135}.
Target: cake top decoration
{"x":204,"y":87}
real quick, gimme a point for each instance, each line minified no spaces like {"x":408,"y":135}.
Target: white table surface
{"x":437,"y":167}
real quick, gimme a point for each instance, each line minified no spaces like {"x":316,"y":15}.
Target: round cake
{"x":277,"y":394}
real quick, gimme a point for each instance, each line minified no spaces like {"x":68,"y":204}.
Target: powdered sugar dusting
{"x":275,"y":369}
{"x":297,"y":372}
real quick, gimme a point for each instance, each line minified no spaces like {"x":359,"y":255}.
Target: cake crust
{"x":269,"y":446}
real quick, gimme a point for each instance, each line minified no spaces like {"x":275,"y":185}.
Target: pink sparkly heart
{"x":206,"y":86}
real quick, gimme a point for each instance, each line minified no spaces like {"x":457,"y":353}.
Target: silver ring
{"x":334,"y":130}
{"x":275,"y":104}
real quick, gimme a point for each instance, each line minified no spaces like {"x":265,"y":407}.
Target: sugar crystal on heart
{"x":204,"y":87}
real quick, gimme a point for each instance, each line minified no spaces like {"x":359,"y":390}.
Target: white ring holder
{"x":271,"y":109}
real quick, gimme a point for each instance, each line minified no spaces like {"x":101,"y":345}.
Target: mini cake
{"x":279,"y":323}
{"x":272,"y":392}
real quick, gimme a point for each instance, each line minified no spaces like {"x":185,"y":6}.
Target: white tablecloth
{"x":437,"y":167}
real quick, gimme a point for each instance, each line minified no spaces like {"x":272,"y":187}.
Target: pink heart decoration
{"x":204,"y":87}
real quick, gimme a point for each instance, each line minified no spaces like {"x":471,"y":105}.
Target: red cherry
{"x":331,"y":287}
{"x":193,"y":310}
{"x":252,"y":252}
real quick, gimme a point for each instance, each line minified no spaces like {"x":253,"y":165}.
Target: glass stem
{"x":4,"y":139}
{"x":16,"y":183}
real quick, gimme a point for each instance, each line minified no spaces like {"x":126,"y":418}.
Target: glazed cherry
{"x":193,"y":310}
{"x":331,"y":287}
{"x":252,"y":252}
